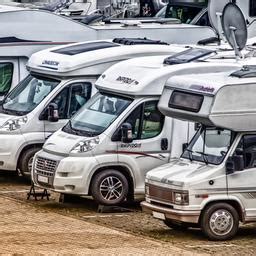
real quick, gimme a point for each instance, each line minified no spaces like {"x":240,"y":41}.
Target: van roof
{"x":90,"y":58}
{"x":147,"y":76}
{"x":227,"y":99}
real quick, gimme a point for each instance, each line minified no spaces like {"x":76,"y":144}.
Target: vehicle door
{"x":68,"y":101}
{"x":151,"y":140}
{"x":8,"y":76}
{"x":242,"y":183}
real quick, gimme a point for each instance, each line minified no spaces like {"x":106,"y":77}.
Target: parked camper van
{"x":60,"y":80}
{"x":119,"y":134}
{"x":212,"y":185}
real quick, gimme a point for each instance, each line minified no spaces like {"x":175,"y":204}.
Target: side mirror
{"x":126,"y":133}
{"x":184,"y":146}
{"x":235,"y":164}
{"x":53,"y":113}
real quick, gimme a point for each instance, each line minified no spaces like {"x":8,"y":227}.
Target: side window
{"x":6,"y":72}
{"x":71,"y":99}
{"x":61,"y":100}
{"x":203,"y":20}
{"x":247,"y":147}
{"x":146,"y":120}
{"x":80,"y":94}
{"x":135,"y":119}
{"x":153,"y":121}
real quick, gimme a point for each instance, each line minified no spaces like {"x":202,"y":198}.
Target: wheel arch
{"x":25,"y":148}
{"x":234,"y":203}
{"x":122,"y":169}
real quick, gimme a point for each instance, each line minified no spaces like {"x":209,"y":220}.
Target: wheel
{"x":175,"y":225}
{"x":220,"y":221}
{"x":26,"y":160}
{"x":109,"y":187}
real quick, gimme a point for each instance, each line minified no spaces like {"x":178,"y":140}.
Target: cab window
{"x":80,"y":94}
{"x":247,"y":148}
{"x":71,"y":99}
{"x":146,"y":120}
{"x":6,"y":73}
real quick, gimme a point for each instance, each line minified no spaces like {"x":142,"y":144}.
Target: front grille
{"x":45,"y":167}
{"x":160,"y":193}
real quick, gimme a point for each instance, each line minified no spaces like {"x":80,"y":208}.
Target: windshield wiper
{"x":69,"y":129}
{"x":205,"y":156}
{"x":13,"y":112}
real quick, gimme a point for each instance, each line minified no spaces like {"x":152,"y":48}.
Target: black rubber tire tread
{"x":96,"y":184}
{"x":23,"y":164}
{"x":205,"y":221}
{"x":176,"y":225}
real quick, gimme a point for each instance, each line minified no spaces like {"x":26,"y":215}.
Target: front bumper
{"x":172,"y":214}
{"x":10,"y":148}
{"x":72,"y":175}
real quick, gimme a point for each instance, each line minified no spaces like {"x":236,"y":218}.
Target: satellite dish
{"x":234,"y":27}
{"x":215,"y":9}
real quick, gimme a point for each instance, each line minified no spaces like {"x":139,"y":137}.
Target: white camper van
{"x":212,"y":185}
{"x":119,"y":134}
{"x":61,"y":78}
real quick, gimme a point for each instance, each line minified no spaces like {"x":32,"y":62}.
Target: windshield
{"x":28,"y":94}
{"x":184,"y":13}
{"x":209,"y":145}
{"x":97,"y":115}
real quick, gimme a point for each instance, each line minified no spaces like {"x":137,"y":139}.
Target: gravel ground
{"x":129,"y":219}
{"x":30,"y":231}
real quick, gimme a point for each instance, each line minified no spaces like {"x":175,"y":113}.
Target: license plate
{"x":159,"y":215}
{"x":42,"y":179}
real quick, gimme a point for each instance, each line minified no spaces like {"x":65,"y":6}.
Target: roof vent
{"x":84,"y":47}
{"x":187,"y":56}
{"x":245,"y":72}
{"x":133,"y":41}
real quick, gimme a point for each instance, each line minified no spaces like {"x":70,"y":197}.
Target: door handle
{"x":164,"y":144}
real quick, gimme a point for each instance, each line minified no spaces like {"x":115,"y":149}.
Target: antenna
{"x":234,"y":27}
{"x":215,"y":9}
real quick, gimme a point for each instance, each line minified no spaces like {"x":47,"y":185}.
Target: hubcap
{"x":221,"y":222}
{"x":111,"y":188}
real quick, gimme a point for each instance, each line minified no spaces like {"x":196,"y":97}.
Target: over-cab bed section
{"x":225,"y":100}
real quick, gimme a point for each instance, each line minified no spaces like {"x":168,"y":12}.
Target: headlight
{"x":85,"y":145}
{"x":14,"y":124}
{"x":181,"y":198}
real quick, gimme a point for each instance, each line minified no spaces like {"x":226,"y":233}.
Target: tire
{"x":26,"y":159}
{"x":220,"y":222}
{"x":103,"y":191}
{"x":176,"y":225}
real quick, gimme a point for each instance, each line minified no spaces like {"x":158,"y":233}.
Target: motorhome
{"x":119,"y":134}
{"x":211,"y":185}
{"x":62,"y":77}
